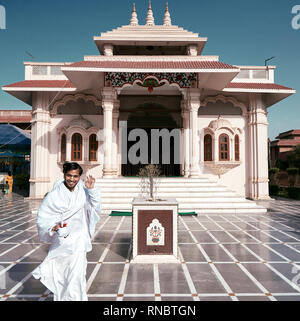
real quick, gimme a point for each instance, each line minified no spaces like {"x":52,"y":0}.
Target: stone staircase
{"x":201,"y":195}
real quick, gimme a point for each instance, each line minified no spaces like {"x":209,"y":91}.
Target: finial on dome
{"x":167,"y":18}
{"x":134,"y":20}
{"x":150,"y":18}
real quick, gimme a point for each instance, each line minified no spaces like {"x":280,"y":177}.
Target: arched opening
{"x":153,"y":118}
{"x":237,"y":148}
{"x":207,"y":148}
{"x":63,"y":147}
{"x":224,"y":148}
{"x":93,"y":148}
{"x":76,"y":147}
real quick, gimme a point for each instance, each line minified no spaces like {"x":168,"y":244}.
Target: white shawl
{"x":55,"y":208}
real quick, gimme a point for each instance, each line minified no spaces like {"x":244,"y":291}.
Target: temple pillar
{"x":108,"y":101}
{"x":186,"y":139}
{"x":115,"y":138}
{"x":192,"y":98}
{"x":39,"y":163}
{"x":258,"y":149}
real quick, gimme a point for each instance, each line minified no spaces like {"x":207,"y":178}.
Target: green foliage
{"x":274,"y":189}
{"x":294,"y":192}
{"x":292,"y":172}
{"x":282,"y":164}
{"x":294,"y":157}
{"x":273,"y":176}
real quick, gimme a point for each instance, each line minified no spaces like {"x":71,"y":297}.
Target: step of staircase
{"x":202,"y":195}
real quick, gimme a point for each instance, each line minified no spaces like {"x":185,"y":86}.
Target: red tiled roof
{"x":43,"y":84}
{"x":153,"y":64}
{"x":15,"y":119}
{"x":286,"y":142}
{"x":256,"y":86}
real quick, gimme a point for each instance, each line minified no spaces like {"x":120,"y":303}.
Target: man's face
{"x":72,"y":178}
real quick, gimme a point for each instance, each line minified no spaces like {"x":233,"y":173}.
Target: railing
{"x":258,"y":74}
{"x":44,"y":71}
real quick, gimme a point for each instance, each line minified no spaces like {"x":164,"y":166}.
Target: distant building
{"x":283,"y":145}
{"x":18,"y":118}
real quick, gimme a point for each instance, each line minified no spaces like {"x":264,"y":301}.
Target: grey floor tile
{"x":240,"y":253}
{"x":107,"y":280}
{"x":167,"y":274}
{"x":117,"y":253}
{"x":203,"y":237}
{"x":215,"y":298}
{"x":191,"y":253}
{"x":264,"y":253}
{"x":185,"y":237}
{"x":287,"y":298}
{"x":216,"y":253}
{"x":269,"y":279}
{"x":222,"y":236}
{"x":253,"y":298}
{"x":204,"y":279}
{"x":238,"y":280}
{"x":140,"y":279}
{"x":286,"y":251}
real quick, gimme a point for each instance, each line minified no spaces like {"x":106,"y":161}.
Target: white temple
{"x":150,"y":76}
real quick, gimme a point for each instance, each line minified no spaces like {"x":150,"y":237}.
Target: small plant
{"x":148,"y":175}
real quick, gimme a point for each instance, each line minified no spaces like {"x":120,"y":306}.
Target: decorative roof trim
{"x":225,"y":99}
{"x":74,"y":98}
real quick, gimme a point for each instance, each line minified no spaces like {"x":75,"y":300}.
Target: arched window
{"x":224,"y":148}
{"x":207,"y":148}
{"x":63,"y":147}
{"x":93,"y":148}
{"x":76,"y":147}
{"x":236,"y":148}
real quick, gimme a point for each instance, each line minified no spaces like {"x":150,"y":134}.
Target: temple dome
{"x":81,"y":122}
{"x":219,"y":123}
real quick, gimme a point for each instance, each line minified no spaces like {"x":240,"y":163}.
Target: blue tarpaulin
{"x":12,"y":135}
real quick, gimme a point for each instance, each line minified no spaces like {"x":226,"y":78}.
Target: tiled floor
{"x":223,"y":257}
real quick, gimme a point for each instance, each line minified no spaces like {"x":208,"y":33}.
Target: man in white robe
{"x":76,"y":205}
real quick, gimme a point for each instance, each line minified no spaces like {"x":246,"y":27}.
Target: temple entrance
{"x":156,"y":141}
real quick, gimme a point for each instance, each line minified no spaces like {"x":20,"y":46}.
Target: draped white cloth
{"x":64,"y":268}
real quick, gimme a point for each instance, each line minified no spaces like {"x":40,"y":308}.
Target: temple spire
{"x":134,"y":20}
{"x":150,"y":18}
{"x":167,"y":18}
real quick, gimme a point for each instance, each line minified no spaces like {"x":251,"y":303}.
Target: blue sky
{"x":240,"y":32}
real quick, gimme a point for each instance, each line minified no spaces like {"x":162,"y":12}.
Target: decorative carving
{"x":120,"y":79}
{"x":155,"y":234}
{"x":74,"y":98}
{"x":225,"y":99}
{"x":80,"y":122}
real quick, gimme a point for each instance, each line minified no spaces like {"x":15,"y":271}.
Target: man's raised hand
{"x":90,"y":182}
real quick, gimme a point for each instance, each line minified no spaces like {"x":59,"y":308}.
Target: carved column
{"x":193,"y":105}
{"x":108,"y":98}
{"x":258,"y":148}
{"x":186,"y":139}
{"x":115,"y":138}
{"x":40,"y":127}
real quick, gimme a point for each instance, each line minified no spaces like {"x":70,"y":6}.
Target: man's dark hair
{"x":72,"y":166}
{"x":9,"y":173}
